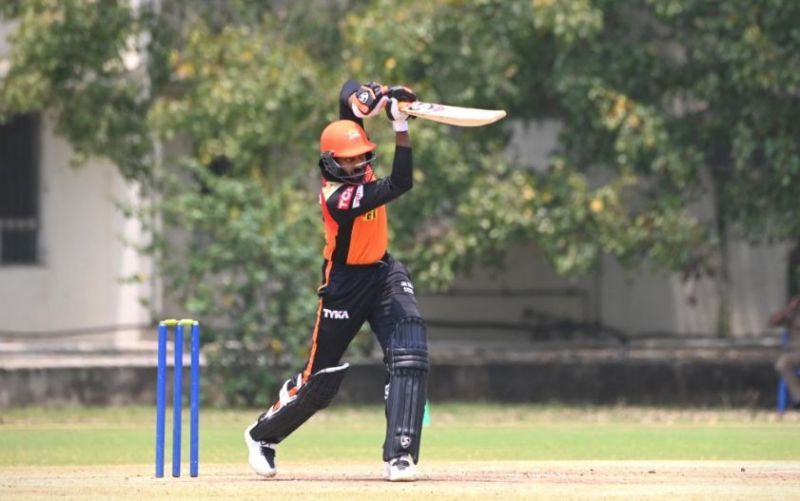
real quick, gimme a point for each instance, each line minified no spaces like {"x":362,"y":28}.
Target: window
{"x":19,"y":190}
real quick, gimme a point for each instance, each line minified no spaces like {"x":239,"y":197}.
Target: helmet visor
{"x":353,"y":174}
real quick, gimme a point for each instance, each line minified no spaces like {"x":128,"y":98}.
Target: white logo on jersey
{"x":359,"y":196}
{"x":335,"y":314}
{"x":345,"y":198}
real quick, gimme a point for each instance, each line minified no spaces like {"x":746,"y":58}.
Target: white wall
{"x":638,"y":301}
{"x":644,"y":301}
{"x":758,"y":274}
{"x":82,"y":258}
{"x":536,"y":288}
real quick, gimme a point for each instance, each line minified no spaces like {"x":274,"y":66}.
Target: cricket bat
{"x":452,"y":115}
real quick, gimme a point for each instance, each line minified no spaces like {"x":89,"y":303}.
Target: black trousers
{"x":380,"y":294}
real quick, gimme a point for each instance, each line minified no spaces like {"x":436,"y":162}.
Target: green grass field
{"x":469,"y":452}
{"x":125,"y":435}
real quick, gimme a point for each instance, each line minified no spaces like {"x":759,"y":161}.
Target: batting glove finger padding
{"x":368,"y":100}
{"x":401,"y":93}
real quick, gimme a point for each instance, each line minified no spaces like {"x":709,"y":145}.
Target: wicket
{"x":177,"y":396}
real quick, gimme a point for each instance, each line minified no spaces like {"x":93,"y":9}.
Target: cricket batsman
{"x":361,"y":282}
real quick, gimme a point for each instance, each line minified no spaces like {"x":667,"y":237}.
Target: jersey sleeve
{"x":350,"y":201}
{"x":345,"y":111}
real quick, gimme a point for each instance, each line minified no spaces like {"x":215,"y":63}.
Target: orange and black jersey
{"x":356,"y":227}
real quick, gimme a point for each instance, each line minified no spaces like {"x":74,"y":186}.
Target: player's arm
{"x":346,"y":96}
{"x":356,"y":102}
{"x":401,"y":179}
{"x":359,"y":101}
{"x":350,"y":201}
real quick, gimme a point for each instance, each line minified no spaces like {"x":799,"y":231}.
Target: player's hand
{"x":398,"y":118}
{"x":369,"y":99}
{"x":402,"y":93}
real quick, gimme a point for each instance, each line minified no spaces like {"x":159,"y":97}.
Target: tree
{"x":672,"y":100}
{"x":251,"y":116}
{"x":536,"y":59}
{"x":668,"y":100}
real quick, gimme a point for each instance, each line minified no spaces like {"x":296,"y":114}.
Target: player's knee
{"x":410,"y":332}
{"x":298,"y":401}
{"x":324,"y":385}
{"x":408,"y":348}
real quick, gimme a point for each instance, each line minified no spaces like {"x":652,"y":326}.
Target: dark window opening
{"x":19,"y":190}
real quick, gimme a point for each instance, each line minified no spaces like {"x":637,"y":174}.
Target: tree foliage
{"x":661,"y":102}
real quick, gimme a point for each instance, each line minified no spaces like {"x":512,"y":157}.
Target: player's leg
{"x":402,"y":334}
{"x":298,"y":400}
{"x":408,"y":369}
{"x":339,"y":318}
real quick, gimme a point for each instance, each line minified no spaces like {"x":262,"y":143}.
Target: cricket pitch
{"x":437,"y":480}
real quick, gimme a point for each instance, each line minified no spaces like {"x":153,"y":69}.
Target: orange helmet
{"x":345,"y":139}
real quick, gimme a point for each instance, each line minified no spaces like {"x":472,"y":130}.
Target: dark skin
{"x":348,"y":164}
{"x":403,"y":139}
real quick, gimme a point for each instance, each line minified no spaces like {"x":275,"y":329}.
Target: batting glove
{"x":402,"y":93}
{"x":398,"y":118}
{"x":368,"y":100}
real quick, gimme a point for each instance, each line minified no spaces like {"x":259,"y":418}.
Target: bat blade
{"x":452,"y":115}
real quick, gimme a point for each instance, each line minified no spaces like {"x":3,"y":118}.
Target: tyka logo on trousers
{"x":335,"y":314}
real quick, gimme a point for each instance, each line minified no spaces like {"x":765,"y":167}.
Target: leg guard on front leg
{"x":298,"y":401}
{"x":407,"y":360}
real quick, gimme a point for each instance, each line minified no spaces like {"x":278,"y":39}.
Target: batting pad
{"x":298,"y":401}
{"x":408,"y":377}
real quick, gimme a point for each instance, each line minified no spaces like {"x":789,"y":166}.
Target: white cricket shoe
{"x":261,"y":455}
{"x":400,"y":469}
